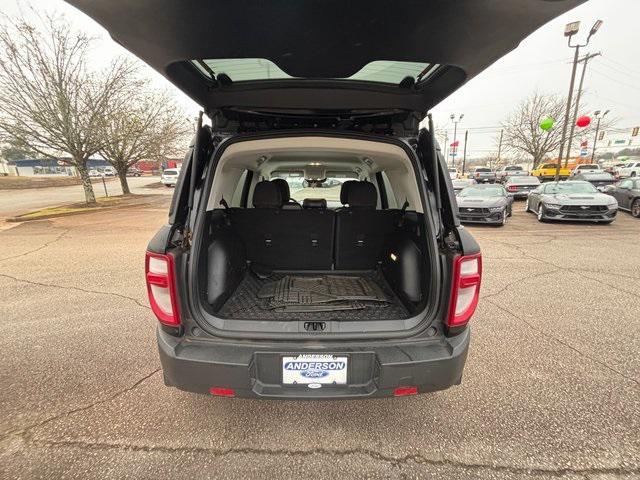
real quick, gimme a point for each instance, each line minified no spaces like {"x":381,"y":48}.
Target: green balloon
{"x":547,"y":124}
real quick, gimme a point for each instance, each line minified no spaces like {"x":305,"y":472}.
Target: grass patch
{"x":82,"y":207}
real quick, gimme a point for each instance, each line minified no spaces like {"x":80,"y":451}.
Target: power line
{"x":634,"y":87}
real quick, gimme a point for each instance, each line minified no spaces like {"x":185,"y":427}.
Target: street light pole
{"x":570,"y":30}
{"x":577,"y":105}
{"x":464,"y":155}
{"x":595,"y":139}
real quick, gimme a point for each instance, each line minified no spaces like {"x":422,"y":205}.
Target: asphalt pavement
{"x":551,"y":387}
{"x":17,"y":202}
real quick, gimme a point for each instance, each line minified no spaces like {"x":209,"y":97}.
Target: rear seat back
{"x":362,"y":232}
{"x":284,"y":239}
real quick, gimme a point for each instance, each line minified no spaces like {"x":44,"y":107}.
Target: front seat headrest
{"x":283,"y":186}
{"x":362,"y":195}
{"x":314,"y":203}
{"x":344,"y":191}
{"x":267,"y":195}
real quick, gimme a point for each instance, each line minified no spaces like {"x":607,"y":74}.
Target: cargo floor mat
{"x":314,"y":296}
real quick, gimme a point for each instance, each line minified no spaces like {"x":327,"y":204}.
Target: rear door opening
{"x":315,"y":234}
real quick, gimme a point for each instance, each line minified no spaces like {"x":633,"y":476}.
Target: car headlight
{"x":496,"y":209}
{"x":552,"y":206}
{"x":613,"y":206}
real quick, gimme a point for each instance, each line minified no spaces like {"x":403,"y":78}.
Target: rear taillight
{"x":512,"y":188}
{"x":404,"y":391}
{"x":467,"y":272}
{"x":161,"y":286}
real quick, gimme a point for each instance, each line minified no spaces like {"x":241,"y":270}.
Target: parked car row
{"x":586,"y":197}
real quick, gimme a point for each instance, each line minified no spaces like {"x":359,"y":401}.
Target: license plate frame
{"x":314,"y":369}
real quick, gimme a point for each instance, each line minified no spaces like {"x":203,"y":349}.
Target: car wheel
{"x":541,"y":213}
{"x":633,"y":174}
{"x":635,"y":208}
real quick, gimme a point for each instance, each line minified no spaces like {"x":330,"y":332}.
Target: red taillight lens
{"x":161,"y":287}
{"x":512,"y":188}
{"x":467,"y":272}
{"x":222,"y":392}
{"x":404,"y":391}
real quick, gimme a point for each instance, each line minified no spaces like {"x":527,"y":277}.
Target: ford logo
{"x":314,"y":373}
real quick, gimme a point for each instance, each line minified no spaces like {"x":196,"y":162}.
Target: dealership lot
{"x":551,"y":388}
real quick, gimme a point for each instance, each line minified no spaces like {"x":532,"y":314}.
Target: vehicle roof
{"x":318,"y":40}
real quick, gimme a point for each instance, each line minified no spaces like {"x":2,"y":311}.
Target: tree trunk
{"x":81,"y":166}
{"x":122,"y":175}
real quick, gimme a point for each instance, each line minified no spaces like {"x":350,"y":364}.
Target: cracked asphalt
{"x":551,"y":387}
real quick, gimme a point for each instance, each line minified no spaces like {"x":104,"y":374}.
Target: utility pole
{"x":569,"y":31}
{"x":464,"y":155}
{"x":595,"y":139}
{"x":455,"y":134}
{"x":499,"y":148}
{"x":584,"y":59}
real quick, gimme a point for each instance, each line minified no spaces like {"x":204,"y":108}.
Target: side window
{"x":391,"y":196}
{"x":236,"y":200}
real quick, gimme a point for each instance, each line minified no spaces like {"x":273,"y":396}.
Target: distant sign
{"x":583,"y":153}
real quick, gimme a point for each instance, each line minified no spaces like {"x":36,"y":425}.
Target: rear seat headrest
{"x":283,"y":186}
{"x":362,"y":195}
{"x":344,"y":191}
{"x":314,"y":203}
{"x":267,"y":195}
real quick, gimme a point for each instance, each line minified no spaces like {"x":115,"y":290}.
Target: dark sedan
{"x":519,"y":187}
{"x":600,"y":180}
{"x":484,"y":204}
{"x":627,"y":193}
{"x":571,"y":200}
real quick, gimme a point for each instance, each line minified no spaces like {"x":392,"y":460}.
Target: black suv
{"x":313,"y":248}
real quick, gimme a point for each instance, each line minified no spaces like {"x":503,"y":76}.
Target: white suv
{"x":170,"y":177}
{"x":631,"y":169}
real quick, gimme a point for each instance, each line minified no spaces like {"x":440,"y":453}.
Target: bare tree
{"x":148,"y":126}
{"x":50,"y":101}
{"x":523,"y":135}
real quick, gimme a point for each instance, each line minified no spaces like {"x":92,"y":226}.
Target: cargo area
{"x":339,"y":237}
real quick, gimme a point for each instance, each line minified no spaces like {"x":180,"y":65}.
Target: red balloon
{"x":455,"y":144}
{"x":583,"y":121}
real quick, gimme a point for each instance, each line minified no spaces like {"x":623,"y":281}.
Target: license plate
{"x":317,"y":369}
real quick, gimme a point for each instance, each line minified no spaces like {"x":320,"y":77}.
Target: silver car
{"x":571,"y":200}
{"x":484,"y":204}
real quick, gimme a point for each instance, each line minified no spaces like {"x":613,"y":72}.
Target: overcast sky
{"x":541,"y":62}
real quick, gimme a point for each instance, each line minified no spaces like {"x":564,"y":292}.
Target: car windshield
{"x":528,"y":180}
{"x":483,"y":169}
{"x":452,"y":170}
{"x":597,"y":176}
{"x":588,"y":167}
{"x":481,"y":191}
{"x":170,"y":173}
{"x":252,"y":69}
{"x":570,"y":187}
{"x":513,"y":168}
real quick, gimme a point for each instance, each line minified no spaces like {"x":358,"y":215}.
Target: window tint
{"x":391,"y":197}
{"x":513,"y":168}
{"x":236,"y":200}
{"x":251,"y":69}
{"x":482,"y":169}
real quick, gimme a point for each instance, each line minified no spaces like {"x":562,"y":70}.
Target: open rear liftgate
{"x":322,"y":293}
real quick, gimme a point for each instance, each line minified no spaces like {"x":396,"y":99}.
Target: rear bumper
{"x":254,"y":370}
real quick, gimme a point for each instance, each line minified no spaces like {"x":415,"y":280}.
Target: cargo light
{"x":465,"y":292}
{"x":161,"y":287}
{"x":222,"y":392}
{"x":404,"y":391}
